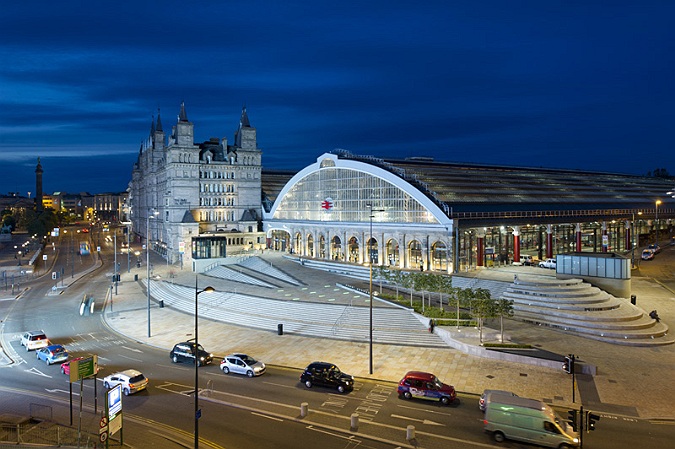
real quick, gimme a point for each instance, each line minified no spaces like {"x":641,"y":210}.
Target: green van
{"x":527,"y":420}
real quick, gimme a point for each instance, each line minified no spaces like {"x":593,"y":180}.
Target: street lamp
{"x":147,"y":261}
{"x":196,"y":351}
{"x":370,"y":285}
{"x":656,"y":221}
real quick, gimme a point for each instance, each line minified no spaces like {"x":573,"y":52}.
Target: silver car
{"x":242,"y":364}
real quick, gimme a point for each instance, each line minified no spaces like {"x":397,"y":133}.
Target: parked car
{"x":647,"y":254}
{"x":654,"y":247}
{"x":52,"y":354}
{"x":242,"y":364}
{"x":34,"y":340}
{"x":327,"y":375}
{"x":548,"y":263}
{"x":131,"y":380}
{"x":525,"y":259}
{"x":187,"y":351}
{"x":418,"y":384}
{"x":487,"y":395}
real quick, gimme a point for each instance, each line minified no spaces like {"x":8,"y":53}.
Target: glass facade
{"x":209,"y":247}
{"x":345,"y":195}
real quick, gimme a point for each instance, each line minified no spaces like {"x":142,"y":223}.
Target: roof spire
{"x":243,"y":121}
{"x":183,"y":115}
{"x":159,"y":122}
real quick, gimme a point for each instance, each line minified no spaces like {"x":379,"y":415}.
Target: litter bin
{"x":161,"y":303}
{"x":633,"y":299}
{"x":280,"y":329}
{"x":135,"y":277}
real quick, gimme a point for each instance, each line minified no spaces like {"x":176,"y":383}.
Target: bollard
{"x":280,"y":329}
{"x":410,"y":433}
{"x":304,"y":409}
{"x":355,"y":421}
{"x":161,"y":303}
{"x":135,"y":277}
{"x":633,"y":299}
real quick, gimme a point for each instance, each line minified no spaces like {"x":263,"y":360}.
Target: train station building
{"x":420,"y":214}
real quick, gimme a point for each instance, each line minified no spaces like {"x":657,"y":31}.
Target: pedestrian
{"x":431,"y":326}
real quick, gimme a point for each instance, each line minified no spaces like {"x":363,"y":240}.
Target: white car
{"x":34,"y":340}
{"x":242,"y":364}
{"x":132,"y":381}
{"x":548,"y":263}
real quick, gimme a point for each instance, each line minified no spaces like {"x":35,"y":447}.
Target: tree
{"x":482,"y":308}
{"x":456,"y":299}
{"x":408,"y":281}
{"x":503,"y":308}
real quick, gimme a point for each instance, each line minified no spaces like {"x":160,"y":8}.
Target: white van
{"x":527,"y":420}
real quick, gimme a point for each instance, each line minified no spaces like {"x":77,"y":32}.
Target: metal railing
{"x":46,"y":434}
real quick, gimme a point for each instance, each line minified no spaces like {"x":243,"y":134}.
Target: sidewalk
{"x":628,"y":380}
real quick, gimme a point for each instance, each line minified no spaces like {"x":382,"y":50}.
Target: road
{"x":238,"y":412}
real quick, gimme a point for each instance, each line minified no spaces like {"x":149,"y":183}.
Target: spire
{"x":183,"y":116}
{"x":243,"y":121}
{"x":159,"y":122}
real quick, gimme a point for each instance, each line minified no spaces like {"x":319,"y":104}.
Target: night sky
{"x":562,"y":84}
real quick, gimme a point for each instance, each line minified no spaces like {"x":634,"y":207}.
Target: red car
{"x":417,"y":384}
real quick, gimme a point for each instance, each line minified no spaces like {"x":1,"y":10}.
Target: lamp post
{"x":147,"y":261}
{"x":656,"y":221}
{"x":197,"y":411}
{"x":370,"y":284}
{"x":635,"y":241}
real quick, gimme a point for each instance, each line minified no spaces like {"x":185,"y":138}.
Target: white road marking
{"x":423,"y":421}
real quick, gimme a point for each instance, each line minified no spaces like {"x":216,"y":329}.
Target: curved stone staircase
{"x":576,"y":307}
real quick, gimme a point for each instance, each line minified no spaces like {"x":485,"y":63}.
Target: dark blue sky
{"x":563,"y":84}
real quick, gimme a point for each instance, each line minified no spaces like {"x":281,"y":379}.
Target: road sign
{"x":114,"y":401}
{"x":86,"y":367}
{"x":44,"y":257}
{"x":103,"y":436}
{"x":104,"y":422}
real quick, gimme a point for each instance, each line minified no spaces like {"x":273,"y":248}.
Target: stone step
{"x":573,"y":321}
{"x":597,"y":298}
{"x":577,"y":292}
{"x":642,"y":328}
{"x":390,"y":325}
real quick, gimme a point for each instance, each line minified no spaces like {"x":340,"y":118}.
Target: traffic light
{"x":568,"y":366}
{"x":572,"y":419}
{"x":591,"y":419}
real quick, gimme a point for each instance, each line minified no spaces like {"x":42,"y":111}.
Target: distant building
{"x":200,"y":201}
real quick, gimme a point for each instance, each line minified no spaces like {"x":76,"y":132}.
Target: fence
{"x":43,"y":433}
